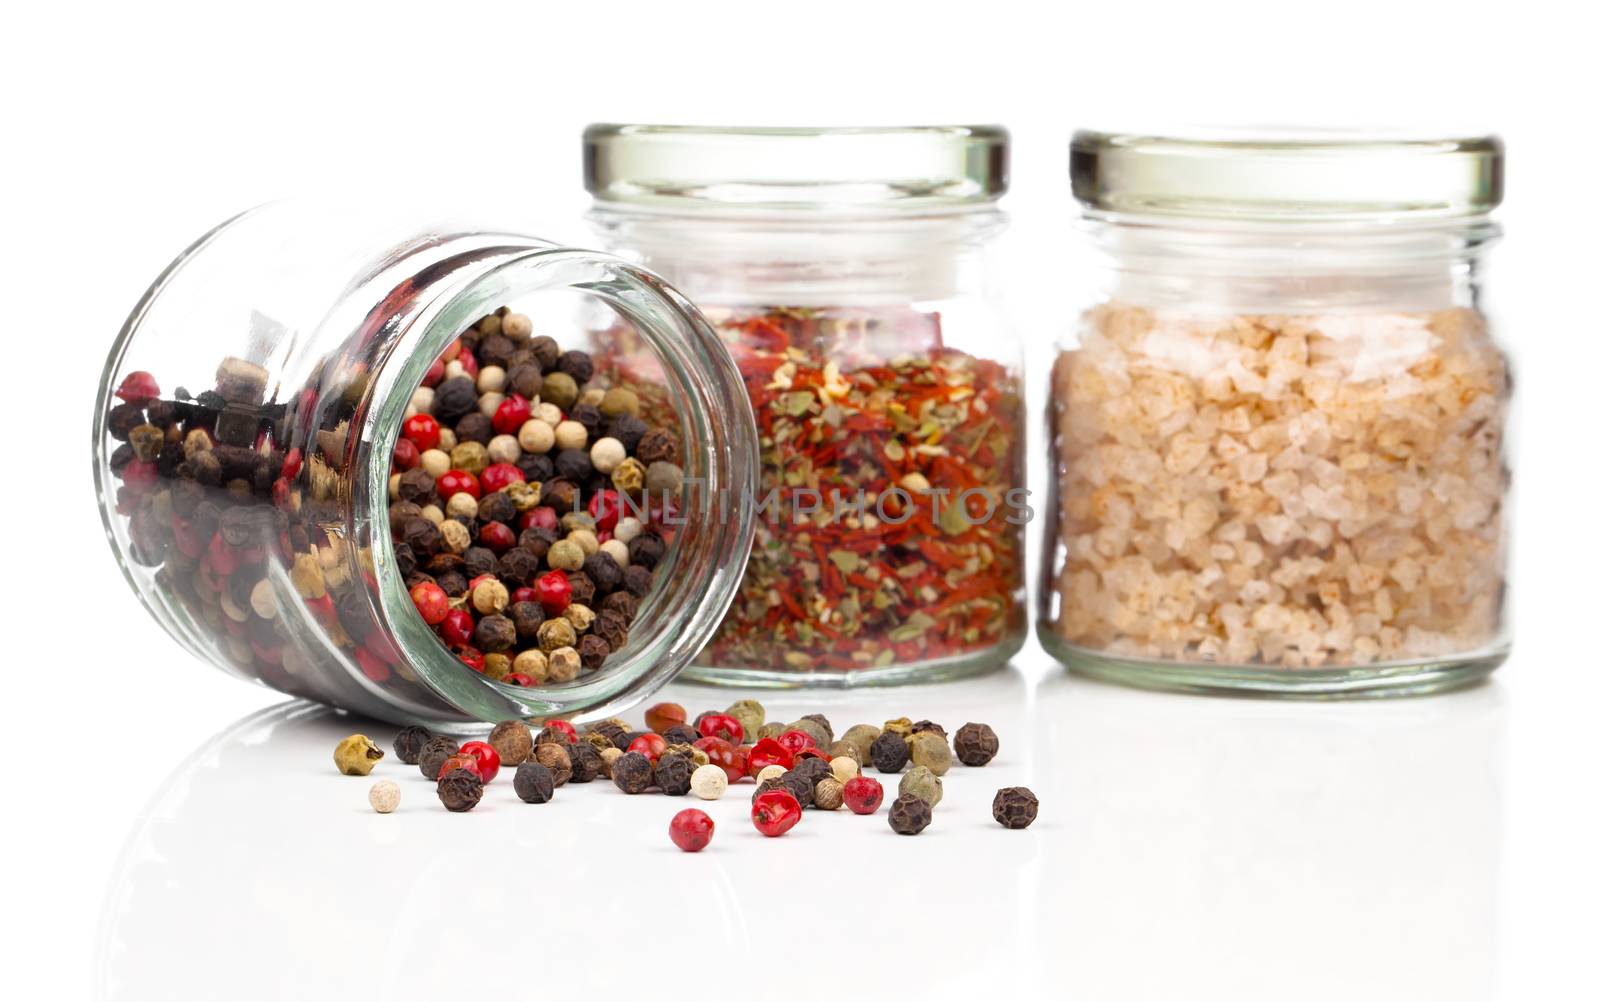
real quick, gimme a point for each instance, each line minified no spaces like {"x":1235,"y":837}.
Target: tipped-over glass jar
{"x":1278,"y":434}
{"x":847,"y":271}
{"x":320,"y":433}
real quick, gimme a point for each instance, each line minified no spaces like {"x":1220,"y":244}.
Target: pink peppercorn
{"x":542,"y":517}
{"x":422,"y":431}
{"x":453,"y":482}
{"x":554,"y":592}
{"x":513,"y":412}
{"x":497,"y":536}
{"x":456,"y":627}
{"x":405,"y":454}
{"x":691,"y":829}
{"x":605,"y":508}
{"x":863,"y":794}
{"x":720,"y":725}
{"x":138,"y":387}
{"x":775,"y":812}
{"x":431,"y":602}
{"x":498,"y":476}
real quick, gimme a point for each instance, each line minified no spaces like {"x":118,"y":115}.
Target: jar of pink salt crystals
{"x":1278,"y":431}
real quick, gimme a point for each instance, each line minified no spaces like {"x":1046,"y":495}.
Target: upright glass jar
{"x":848,"y":272}
{"x":249,"y":413}
{"x":1278,"y":433}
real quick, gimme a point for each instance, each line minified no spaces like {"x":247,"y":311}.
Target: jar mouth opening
{"x":1288,"y":175}
{"x":705,"y":559}
{"x":754,"y":171}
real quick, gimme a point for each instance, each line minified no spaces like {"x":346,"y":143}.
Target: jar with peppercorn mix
{"x":1278,"y":434}
{"x":373,"y":465}
{"x":848,"y":272}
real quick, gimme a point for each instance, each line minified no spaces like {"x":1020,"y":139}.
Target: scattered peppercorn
{"x":929,"y":748}
{"x":673,"y":772}
{"x":813,"y":769}
{"x":460,"y":790}
{"x":708,"y":782}
{"x":803,"y":788}
{"x":408,"y":744}
{"x":1015,"y":807}
{"x":356,"y":755}
{"x":863,"y":794}
{"x":828,"y":795}
{"x":434,"y":753}
{"x":890,"y":752}
{"x":555,"y":758}
{"x":750,"y":714}
{"x":919,"y":781}
{"x":909,"y":814}
{"x":633,"y":772}
{"x":844,"y":768}
{"x":662,"y":717}
{"x":384,"y":796}
{"x":513,"y":741}
{"x":976,"y":744}
{"x":534,"y":783}
{"x":691,"y":829}
{"x":775,"y":812}
{"x":586,"y":763}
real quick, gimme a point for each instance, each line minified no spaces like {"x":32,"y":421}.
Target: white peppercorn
{"x":434,"y":462}
{"x":708,"y":782}
{"x":617,"y":550}
{"x":504,"y":449}
{"x":384,"y":796}
{"x":571,"y":435}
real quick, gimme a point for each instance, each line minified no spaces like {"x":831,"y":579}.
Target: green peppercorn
{"x":976,"y":744}
{"x":899,"y":725}
{"x":919,"y":781}
{"x":862,"y":736}
{"x":817,"y":732}
{"x":770,"y":729}
{"x":750,"y":714}
{"x":929,"y":748}
{"x":909,"y":815}
{"x":889,"y":753}
{"x":559,"y":389}
{"x":1015,"y":807}
{"x":356,"y":755}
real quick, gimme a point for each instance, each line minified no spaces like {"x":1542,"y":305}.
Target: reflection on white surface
{"x":1186,"y":847}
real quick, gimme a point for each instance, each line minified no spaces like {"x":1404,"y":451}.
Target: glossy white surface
{"x":1341,"y":848}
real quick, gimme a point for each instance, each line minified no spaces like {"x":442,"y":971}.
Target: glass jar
{"x":1278,"y":435}
{"x":848,"y":272}
{"x":251,"y":512}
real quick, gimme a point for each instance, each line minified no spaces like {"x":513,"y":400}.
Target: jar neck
{"x":1259,"y":267}
{"x":473,"y":275}
{"x":807,"y":258}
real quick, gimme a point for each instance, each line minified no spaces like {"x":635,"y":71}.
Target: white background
{"x":1441,"y":848}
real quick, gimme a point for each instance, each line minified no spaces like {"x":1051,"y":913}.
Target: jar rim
{"x":1288,"y":174}
{"x":805,"y":169}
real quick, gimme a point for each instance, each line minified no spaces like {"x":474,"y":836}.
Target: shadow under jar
{"x":246,"y":455}
{"x":847,"y":272}
{"x":1278,"y":435}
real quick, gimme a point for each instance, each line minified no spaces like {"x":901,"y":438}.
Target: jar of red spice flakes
{"x":248,"y":447}
{"x":848,"y":272}
{"x":1278,"y":432}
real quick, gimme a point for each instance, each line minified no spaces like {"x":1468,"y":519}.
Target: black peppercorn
{"x":460,"y":790}
{"x":645,"y":550}
{"x":657,"y":445}
{"x":549,"y":735}
{"x":402,"y":512}
{"x":976,"y":744}
{"x":527,"y":618}
{"x":478,"y":561}
{"x":1015,"y":807}
{"x":580,"y":587}
{"x":431,"y":758}
{"x":416,"y":485}
{"x":637,"y":580}
{"x":623,"y":603}
{"x":603,"y":571}
{"x":680,"y":734}
{"x":536,"y":466}
{"x":408,"y":744}
{"x":672,"y":774}
{"x":587,"y":765}
{"x":525,"y":379}
{"x":589,"y":416}
{"x":610,"y":627}
{"x":495,"y":349}
{"x":775,"y":783}
{"x":494,"y":633}
{"x":633,"y":772}
{"x":533,"y":783}
{"x":576,"y":364}
{"x":889,"y":752}
{"x":613,"y":732}
{"x":574,"y":465}
{"x":927,"y":725}
{"x":454,"y":583}
{"x":517,"y":567}
{"x":475,"y":427}
{"x":593,"y":651}
{"x":423,"y":537}
{"x":561,"y":495}
{"x":628,"y":430}
{"x":813,"y":769}
{"x":454,"y":399}
{"x":803,"y":787}
{"x":545,"y":349}
{"x":909,"y":815}
{"x":122,"y":419}
{"x":497,"y":507}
